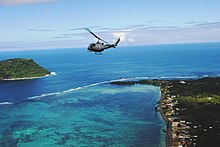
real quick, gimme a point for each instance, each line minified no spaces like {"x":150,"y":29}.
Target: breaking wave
{"x":106,"y":82}
{"x":6,"y":103}
{"x":70,"y":90}
{"x":53,"y":73}
{"x":43,"y":95}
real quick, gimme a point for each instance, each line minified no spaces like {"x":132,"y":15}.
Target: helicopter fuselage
{"x":98,"y":47}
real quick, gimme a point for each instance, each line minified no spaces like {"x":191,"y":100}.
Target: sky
{"x":50,"y":24}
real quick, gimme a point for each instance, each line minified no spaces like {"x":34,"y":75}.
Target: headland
{"x":21,"y":69}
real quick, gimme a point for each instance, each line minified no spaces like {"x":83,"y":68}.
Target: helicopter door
{"x":91,"y":46}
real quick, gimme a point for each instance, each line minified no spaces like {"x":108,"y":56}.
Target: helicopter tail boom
{"x":115,"y":44}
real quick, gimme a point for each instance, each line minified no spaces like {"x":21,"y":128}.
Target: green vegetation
{"x":197,"y":88}
{"x":154,"y":82}
{"x":21,"y":68}
{"x":198,"y":102}
{"x":199,"y":99}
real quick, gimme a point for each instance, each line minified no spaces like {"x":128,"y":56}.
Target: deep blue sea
{"x":78,"y":106}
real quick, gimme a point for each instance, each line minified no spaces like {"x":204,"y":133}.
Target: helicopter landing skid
{"x":98,"y":53}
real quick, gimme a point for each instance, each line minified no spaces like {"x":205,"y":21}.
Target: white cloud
{"x":124,"y":36}
{"x":131,"y":40}
{"x":138,"y":36}
{"x":21,"y":2}
{"x":177,"y":35}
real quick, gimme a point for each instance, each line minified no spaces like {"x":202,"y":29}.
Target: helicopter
{"x":101,"y":44}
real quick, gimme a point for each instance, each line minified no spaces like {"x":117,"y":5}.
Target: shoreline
{"x":168,"y":123}
{"x":159,"y":107}
{"x":30,"y":78}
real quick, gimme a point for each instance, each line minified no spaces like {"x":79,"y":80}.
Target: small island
{"x":21,"y":69}
{"x":190,"y":108}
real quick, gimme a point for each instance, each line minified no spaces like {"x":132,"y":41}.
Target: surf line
{"x":6,"y":103}
{"x":73,"y":89}
{"x":106,"y":82}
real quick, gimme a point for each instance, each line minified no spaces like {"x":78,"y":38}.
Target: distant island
{"x":20,"y":69}
{"x":191,"y":109}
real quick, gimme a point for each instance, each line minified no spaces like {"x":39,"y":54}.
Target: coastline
{"x":168,"y":123}
{"x":163,"y":87}
{"x":30,"y":78}
{"x":188,"y":113}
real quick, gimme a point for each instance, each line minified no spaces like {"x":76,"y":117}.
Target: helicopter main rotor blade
{"x":96,"y":35}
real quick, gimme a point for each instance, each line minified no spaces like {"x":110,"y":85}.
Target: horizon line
{"x":40,"y":49}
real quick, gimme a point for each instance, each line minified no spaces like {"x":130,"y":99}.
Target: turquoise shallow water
{"x":78,"y":106}
{"x":102,"y":115}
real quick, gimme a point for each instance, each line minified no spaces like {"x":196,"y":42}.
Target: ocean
{"x":79,"y":107}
